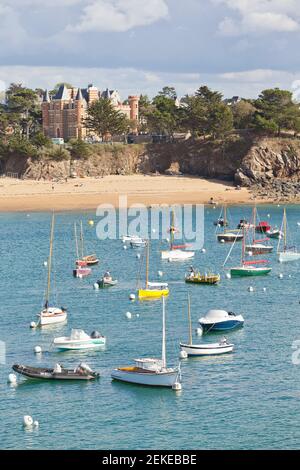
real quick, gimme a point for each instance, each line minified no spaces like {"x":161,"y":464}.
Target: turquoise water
{"x":246,"y":400}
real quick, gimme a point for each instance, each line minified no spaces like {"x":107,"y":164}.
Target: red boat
{"x":263,"y":227}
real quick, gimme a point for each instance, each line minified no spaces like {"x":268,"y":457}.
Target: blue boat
{"x":220,"y":320}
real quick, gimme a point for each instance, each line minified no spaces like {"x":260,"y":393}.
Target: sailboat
{"x":228,"y":236}
{"x":150,"y":371}
{"x":51,"y":315}
{"x":82,"y":269}
{"x":152,"y":290}
{"x":90,"y":260}
{"x":176,"y":252}
{"x":205,"y":349}
{"x":288,"y":253}
{"x":249,"y":268}
{"x":258,"y":246}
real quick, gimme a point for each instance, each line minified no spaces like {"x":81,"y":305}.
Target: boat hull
{"x":49,"y":374}
{"x":152,"y":294}
{"x":286,"y":256}
{"x":225,"y":325}
{"x":229,"y":238}
{"x":102,"y":283}
{"x":249,"y":272}
{"x":177,"y":255}
{"x":208,"y":280}
{"x":52,"y":319}
{"x":258,"y":249}
{"x":152,"y":379}
{"x":206,"y":349}
{"x":80,"y":345}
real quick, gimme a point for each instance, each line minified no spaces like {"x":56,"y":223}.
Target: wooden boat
{"x":152,"y":290}
{"x":204,"y":349}
{"x":51,"y":315}
{"x":79,"y":340}
{"x":150,"y":371}
{"x":286,"y":253}
{"x":176,"y":252}
{"x":258,"y":246}
{"x":229,"y":236}
{"x":82,"y":372}
{"x":83,"y":260}
{"x":195,"y":277}
{"x":249,"y":268}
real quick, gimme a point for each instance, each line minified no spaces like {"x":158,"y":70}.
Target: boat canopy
{"x":78,"y":334}
{"x":216,"y":315}
{"x":157,"y":284}
{"x":149,"y":363}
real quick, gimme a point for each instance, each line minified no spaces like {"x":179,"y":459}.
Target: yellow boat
{"x":152,"y":290}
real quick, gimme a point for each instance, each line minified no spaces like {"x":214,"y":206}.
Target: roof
{"x":62,"y":94}
{"x":46,"y":97}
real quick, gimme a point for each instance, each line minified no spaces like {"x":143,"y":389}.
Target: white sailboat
{"x":51,"y":315}
{"x":205,"y":349}
{"x":150,"y":371}
{"x":258,"y":246}
{"x":287,"y":253}
{"x":176,"y":252}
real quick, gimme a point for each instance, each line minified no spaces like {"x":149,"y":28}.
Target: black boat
{"x":82,"y":372}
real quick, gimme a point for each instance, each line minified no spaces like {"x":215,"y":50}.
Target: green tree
{"x":23,"y":102}
{"x":168,"y":92}
{"x":39,"y":140}
{"x":79,"y":149}
{"x":104,"y":119}
{"x":243,"y":113}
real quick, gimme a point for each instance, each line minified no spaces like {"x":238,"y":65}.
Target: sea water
{"x":246,"y":400}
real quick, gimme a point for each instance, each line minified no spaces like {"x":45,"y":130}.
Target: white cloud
{"x":119,"y":15}
{"x":260,"y":16}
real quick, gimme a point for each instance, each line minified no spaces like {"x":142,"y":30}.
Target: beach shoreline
{"x":88,"y":193}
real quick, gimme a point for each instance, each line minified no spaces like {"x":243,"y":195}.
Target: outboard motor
{"x":85,"y":368}
{"x":95,"y":335}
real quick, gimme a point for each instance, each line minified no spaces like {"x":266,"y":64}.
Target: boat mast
{"x":243,"y":246}
{"x":225,"y":218}
{"x":163,"y":350}
{"x":190,"y":321}
{"x":284,"y":229}
{"x":50,"y":263}
{"x":76,"y":240}
{"x":172,"y":228}
{"x":81,"y":239}
{"x":147,"y":264}
{"x":254,"y":222}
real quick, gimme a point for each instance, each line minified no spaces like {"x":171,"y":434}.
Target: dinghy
{"x":82,"y":372}
{"x":204,"y":349}
{"x":150,"y":371}
{"x":176,"y":252}
{"x":51,"y":315}
{"x":79,"y":340}
{"x":106,"y":281}
{"x":286,"y":253}
{"x":220,"y":320}
{"x":81,"y":270}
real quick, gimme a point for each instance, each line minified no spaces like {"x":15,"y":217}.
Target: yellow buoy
{"x":91,"y":223}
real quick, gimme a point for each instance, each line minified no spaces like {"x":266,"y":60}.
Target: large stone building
{"x":64,"y":113}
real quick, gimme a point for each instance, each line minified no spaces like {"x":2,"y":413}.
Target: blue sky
{"x":137,"y":46}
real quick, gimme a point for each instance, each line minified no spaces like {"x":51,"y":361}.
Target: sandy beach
{"x":88,"y":193}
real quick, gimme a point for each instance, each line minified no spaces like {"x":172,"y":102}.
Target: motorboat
{"x":230,"y":236}
{"x":150,"y":371}
{"x":263,"y":227}
{"x":129,"y":238}
{"x":205,"y":349}
{"x":51,"y":316}
{"x":195,"y":277}
{"x":138,"y":243}
{"x":79,"y":340}
{"x":81,"y":372}
{"x":274,"y":233}
{"x":220,"y":320}
{"x":106,"y":282}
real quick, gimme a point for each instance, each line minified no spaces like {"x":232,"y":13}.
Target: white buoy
{"x":183,"y":354}
{"x":153,"y":230}
{"x":45,"y":263}
{"x":199,"y":331}
{"x":132,"y":297}
{"x":36,"y":424}
{"x":228,"y":275}
{"x":128,"y":315}
{"x":160,"y":273}
{"x":265,"y":289}
{"x":290,"y":276}
{"x":203,"y":250}
{"x":12,"y":379}
{"x":37,"y":349}
{"x":177,"y":386}
{"x":250,"y":289}
{"x":80,"y":276}
{"x":96,"y":286}
{"x":137,"y":315}
{"x":250,"y":253}
{"x":33,"y":324}
{"x":124,"y":247}
{"x":138,"y":256}
{"x":280,"y":276}
{"x":167,"y":240}
{"x":27,"y":421}
{"x":268,"y":216}
{"x":222,"y":241}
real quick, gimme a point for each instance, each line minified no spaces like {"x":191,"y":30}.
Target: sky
{"x":238,"y":47}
